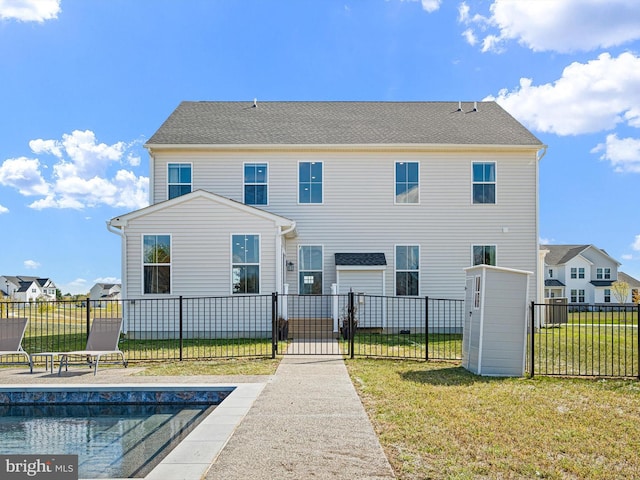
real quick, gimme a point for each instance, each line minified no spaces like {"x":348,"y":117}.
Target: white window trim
{"x":484,"y":245}
{"x":395,"y":181}
{"x":231,"y":264}
{"x":169,"y":183}
{"x":244,"y":164}
{"x":143,"y":264}
{"x":395,"y":267}
{"x":300,"y":246}
{"x":298,"y":185}
{"x":494,"y":182}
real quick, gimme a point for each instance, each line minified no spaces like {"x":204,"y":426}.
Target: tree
{"x":636,"y":296}
{"x":620,"y":291}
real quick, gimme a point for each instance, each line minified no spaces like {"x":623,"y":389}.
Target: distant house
{"x":105,"y":291}
{"x":582,"y":274}
{"x":23,"y":288}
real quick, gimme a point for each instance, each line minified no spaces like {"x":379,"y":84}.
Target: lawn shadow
{"x":448,"y":376}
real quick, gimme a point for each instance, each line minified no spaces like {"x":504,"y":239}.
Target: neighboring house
{"x":385,"y":198}
{"x":105,"y":291}
{"x":582,"y":274}
{"x":27,"y":289}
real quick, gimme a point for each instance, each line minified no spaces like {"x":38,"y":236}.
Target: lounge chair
{"x":11,"y":334}
{"x":103,"y":340}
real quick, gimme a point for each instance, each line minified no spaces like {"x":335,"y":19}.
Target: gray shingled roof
{"x":623,"y":277}
{"x":360,"y":259}
{"x":560,"y":254}
{"x":552,"y":282}
{"x":341,"y":123}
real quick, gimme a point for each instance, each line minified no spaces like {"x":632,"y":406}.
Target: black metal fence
{"x":584,"y":340}
{"x":188,"y":328}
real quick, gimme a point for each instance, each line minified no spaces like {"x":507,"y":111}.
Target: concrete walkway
{"x":308,"y":423}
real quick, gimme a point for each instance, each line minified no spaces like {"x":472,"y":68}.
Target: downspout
{"x":539,"y":156}
{"x":123,"y":254}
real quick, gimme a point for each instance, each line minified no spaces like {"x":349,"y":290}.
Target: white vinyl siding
{"x":358,"y":215}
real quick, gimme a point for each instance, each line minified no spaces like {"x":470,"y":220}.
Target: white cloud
{"x":107,"y":280}
{"x":627,"y":256}
{"x":29,"y":10}
{"x":82,"y":174}
{"x":3,"y":209}
{"x":623,"y":153}
{"x":24,"y":175}
{"x":31,"y":264}
{"x":636,"y":244}
{"x":75,"y":287}
{"x":545,"y":241}
{"x":589,"y":97}
{"x":556,"y":25}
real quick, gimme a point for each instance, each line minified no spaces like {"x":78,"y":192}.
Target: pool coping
{"x":193,"y":456}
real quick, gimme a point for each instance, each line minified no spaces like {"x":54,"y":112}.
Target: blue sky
{"x":84,"y":83}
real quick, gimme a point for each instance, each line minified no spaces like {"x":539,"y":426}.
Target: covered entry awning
{"x":374,"y":260}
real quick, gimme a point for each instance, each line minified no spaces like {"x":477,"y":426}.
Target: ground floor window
{"x":157,"y":263}
{"x":484,"y":255}
{"x":245,"y":266}
{"x":310,"y":259}
{"x":407,"y":270}
{"x":577,"y":296}
{"x":607,"y":295}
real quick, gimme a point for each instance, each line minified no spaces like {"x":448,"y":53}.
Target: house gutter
{"x":123,"y":254}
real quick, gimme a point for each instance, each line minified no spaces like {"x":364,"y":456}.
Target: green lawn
{"x":438,"y":421}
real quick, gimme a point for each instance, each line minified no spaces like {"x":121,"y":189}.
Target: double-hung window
{"x":245,"y":264}
{"x":577,"y":272}
{"x":577,"y":296}
{"x":156,"y":253}
{"x":179,"y":179}
{"x":484,"y":182}
{"x":310,"y":182}
{"x":310,"y":259}
{"x":407,"y":182}
{"x":256,"y":184}
{"x":484,"y":255}
{"x":607,"y":295}
{"x":407,"y":270}
{"x":603,"y":274}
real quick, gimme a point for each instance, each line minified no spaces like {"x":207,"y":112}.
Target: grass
{"x":438,"y":421}
{"x":231,"y":366}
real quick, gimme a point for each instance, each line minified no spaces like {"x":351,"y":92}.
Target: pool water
{"x":111,"y":440}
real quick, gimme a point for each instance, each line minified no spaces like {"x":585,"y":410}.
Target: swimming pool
{"x":127,"y":427}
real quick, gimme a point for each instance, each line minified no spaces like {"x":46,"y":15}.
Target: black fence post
{"x":274,"y":324}
{"x":638,"y":337}
{"x":426,"y":328}
{"x":88,"y":317}
{"x":180,"y":317}
{"x":352,"y":324}
{"x":532,"y":332}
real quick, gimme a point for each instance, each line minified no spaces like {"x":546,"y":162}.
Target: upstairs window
{"x":310,"y":259}
{"x":484,"y":255}
{"x":310,"y":182}
{"x":245,"y":264}
{"x":577,"y":272}
{"x":603,"y":274}
{"x":407,"y":270}
{"x":484,"y":182}
{"x":157,"y":263}
{"x":179,"y":175}
{"x":551,"y":273}
{"x":407,"y":182}
{"x":255,"y":184}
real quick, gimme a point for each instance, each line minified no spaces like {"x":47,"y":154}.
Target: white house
{"x":24,"y":288}
{"x":582,"y":274}
{"x":105,"y":291}
{"x":387,"y":198}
